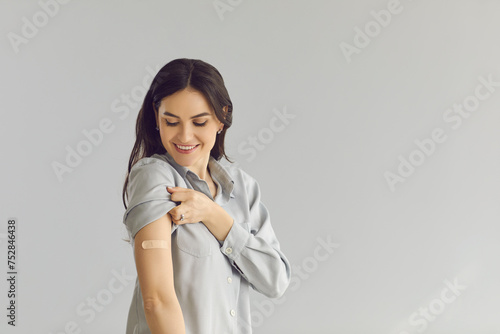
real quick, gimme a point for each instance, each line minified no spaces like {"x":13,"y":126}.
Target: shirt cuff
{"x":235,"y":241}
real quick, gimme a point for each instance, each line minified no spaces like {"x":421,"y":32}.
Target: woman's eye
{"x":195,"y":124}
{"x":171,"y":124}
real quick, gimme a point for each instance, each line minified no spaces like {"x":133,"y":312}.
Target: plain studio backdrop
{"x":371,"y":126}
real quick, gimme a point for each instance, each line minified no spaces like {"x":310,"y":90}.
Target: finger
{"x":178,"y":218}
{"x":174,"y":217}
{"x":177,"y":197}
{"x":180,"y":196}
{"x":175,"y":213}
{"x":173,"y":190}
{"x":176,"y":189}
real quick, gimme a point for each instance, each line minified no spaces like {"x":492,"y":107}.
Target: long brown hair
{"x":175,"y":76}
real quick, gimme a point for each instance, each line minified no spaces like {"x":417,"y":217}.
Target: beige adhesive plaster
{"x":148,"y":244}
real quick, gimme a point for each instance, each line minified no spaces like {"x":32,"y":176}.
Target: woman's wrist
{"x":219,"y":222}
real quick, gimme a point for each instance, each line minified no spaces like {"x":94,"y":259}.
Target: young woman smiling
{"x":201,"y":235}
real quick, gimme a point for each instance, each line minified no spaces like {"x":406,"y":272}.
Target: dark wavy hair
{"x":177,"y":75}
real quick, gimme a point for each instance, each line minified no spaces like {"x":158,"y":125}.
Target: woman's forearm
{"x":219,"y":222}
{"x":165,"y":318}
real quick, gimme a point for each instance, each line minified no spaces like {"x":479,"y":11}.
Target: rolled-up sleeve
{"x":148,"y":198}
{"x":256,"y":253}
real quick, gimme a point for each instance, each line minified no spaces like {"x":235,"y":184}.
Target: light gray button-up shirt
{"x":211,"y":278}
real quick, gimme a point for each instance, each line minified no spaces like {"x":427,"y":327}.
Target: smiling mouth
{"x":186,"y":148}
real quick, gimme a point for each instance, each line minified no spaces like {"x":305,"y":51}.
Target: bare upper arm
{"x":154,"y":265}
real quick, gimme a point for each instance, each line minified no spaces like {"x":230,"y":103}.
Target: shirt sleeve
{"x":256,"y":254}
{"x":147,"y":196}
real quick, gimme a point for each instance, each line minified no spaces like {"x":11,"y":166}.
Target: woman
{"x":200,"y":234}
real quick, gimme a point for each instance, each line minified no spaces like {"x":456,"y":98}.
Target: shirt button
{"x":233,"y":313}
{"x":229,"y":250}
{"x":229,"y":280}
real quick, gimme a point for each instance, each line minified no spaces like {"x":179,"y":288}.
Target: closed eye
{"x":195,"y":124}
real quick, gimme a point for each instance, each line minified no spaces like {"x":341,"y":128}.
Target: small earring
{"x":218,"y":132}
{"x":157,"y":129}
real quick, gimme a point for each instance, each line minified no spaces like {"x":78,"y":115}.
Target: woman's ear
{"x":224,"y":111}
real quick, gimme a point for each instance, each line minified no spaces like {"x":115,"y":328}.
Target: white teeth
{"x":185,"y":148}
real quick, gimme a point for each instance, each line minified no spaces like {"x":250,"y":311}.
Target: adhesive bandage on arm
{"x":149,"y":244}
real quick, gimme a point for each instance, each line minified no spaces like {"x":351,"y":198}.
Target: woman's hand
{"x":195,"y":205}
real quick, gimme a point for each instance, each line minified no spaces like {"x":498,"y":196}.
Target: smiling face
{"x":188,"y":128}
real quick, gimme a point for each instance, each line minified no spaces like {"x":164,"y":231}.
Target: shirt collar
{"x":217,"y":171}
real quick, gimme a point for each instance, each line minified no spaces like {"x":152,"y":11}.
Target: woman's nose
{"x":185,"y":134}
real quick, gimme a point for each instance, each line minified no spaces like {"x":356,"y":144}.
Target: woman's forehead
{"x":185,"y":104}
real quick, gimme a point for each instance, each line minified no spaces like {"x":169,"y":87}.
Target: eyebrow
{"x":166,"y":113}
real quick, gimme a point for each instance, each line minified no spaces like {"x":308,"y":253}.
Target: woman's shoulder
{"x":156,"y":160}
{"x":155,"y":164}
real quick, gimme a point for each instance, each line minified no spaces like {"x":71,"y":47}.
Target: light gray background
{"x":321,"y":174}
